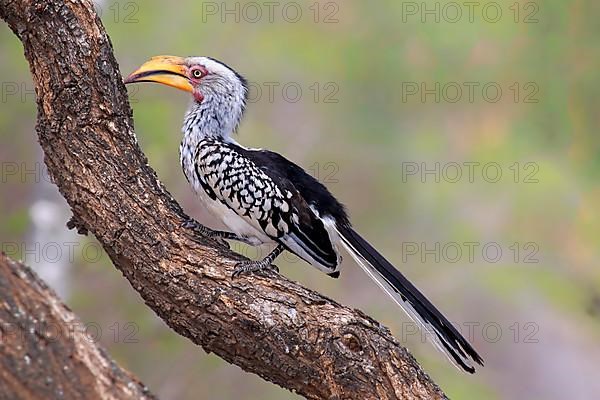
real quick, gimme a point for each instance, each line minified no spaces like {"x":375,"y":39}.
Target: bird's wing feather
{"x":247,"y":184}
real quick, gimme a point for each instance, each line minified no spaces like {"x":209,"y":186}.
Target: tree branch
{"x":267,"y":325}
{"x":44,"y":350}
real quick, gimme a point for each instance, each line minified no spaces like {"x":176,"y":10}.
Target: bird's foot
{"x":201,"y":231}
{"x":248,"y":267}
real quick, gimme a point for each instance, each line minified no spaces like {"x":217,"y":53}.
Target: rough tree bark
{"x":267,"y":325}
{"x":44,"y":350}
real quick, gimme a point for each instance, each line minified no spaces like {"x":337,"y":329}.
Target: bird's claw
{"x":195,"y":226}
{"x":189,"y":224}
{"x":248,"y":267}
{"x":201,"y":230}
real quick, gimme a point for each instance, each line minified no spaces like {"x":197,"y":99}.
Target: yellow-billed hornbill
{"x":264,"y":198}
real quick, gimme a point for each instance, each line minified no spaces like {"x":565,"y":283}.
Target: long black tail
{"x":443,"y":334}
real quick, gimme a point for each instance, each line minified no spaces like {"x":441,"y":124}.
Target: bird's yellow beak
{"x":168,"y":70}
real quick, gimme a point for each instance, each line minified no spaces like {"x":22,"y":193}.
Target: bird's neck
{"x":215,"y":117}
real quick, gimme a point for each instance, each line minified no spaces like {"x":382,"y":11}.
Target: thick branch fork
{"x":265,"y":324}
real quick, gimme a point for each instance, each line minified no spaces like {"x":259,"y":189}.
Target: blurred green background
{"x":407,"y":111}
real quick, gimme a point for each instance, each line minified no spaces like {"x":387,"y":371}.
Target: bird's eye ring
{"x":197,"y":74}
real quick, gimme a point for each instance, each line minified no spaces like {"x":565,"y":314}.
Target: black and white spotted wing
{"x":248,"y":183}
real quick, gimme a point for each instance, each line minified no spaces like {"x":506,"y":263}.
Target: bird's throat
{"x":211,"y":118}
{"x":198,"y":96}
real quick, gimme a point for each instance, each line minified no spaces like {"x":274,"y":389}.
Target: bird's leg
{"x":220,"y":236}
{"x":246,"y":267}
